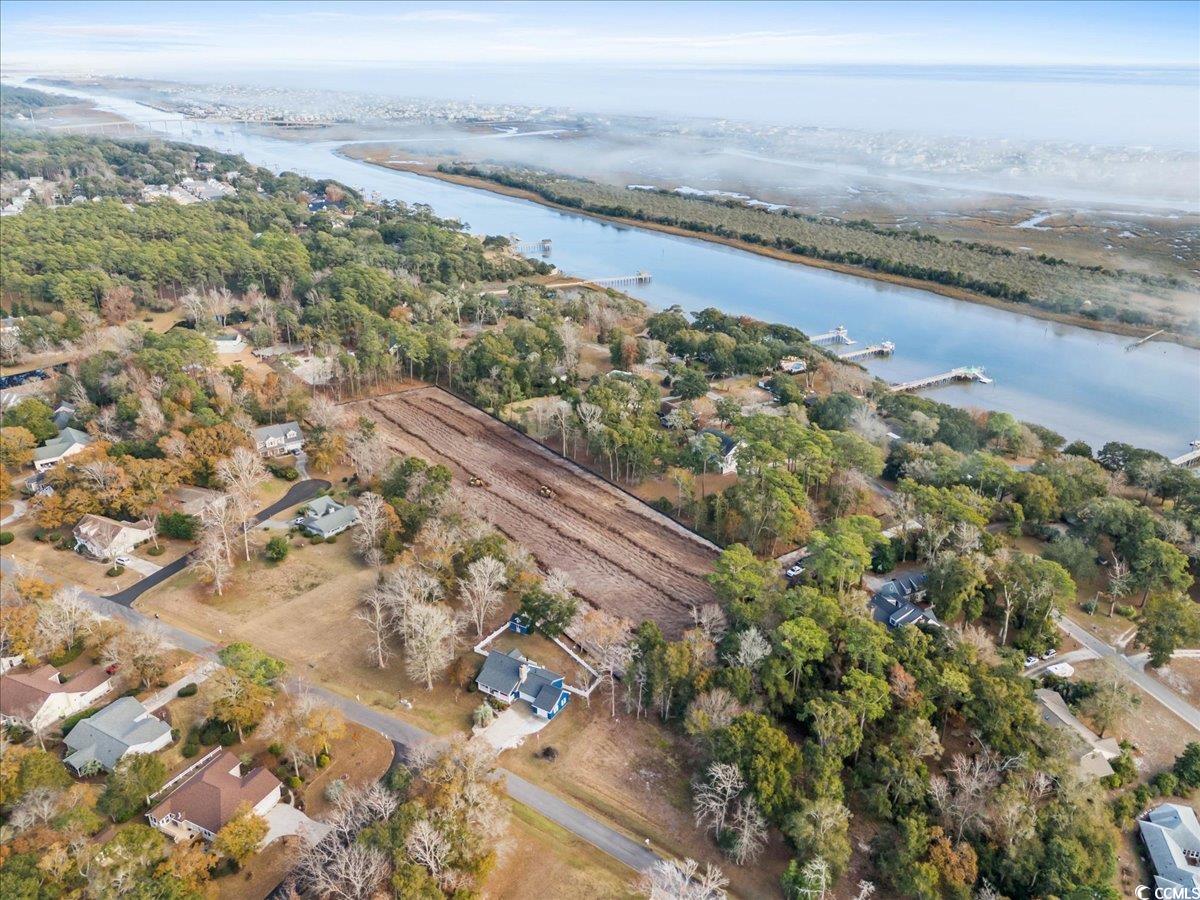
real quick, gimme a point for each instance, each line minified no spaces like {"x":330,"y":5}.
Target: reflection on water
{"x":1082,"y":383}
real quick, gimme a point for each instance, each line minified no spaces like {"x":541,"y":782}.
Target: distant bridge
{"x":962,"y":373}
{"x":886,"y":348}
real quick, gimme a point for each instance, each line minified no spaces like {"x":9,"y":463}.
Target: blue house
{"x":510,"y":676}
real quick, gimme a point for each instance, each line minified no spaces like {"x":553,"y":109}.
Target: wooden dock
{"x":962,"y":373}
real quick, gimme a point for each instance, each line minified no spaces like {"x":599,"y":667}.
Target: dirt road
{"x":622,"y":556}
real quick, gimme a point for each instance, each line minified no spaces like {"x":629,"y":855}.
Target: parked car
{"x":1049,"y":653}
{"x":794,"y":572}
{"x":123,"y":560}
{"x":1030,"y":661}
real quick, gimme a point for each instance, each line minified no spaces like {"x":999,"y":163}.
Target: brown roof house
{"x":106,"y":538}
{"x":212,"y":795}
{"x":40,"y":697}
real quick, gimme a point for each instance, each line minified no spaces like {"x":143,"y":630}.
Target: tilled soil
{"x":622,"y":556}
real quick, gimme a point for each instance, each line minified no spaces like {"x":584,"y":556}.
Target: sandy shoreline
{"x":784,"y":256}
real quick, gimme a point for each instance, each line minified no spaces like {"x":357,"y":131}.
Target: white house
{"x":728,"y":453}
{"x":121,"y":728}
{"x":210,"y":797}
{"x":278,"y":440}
{"x":69,"y":442}
{"x":41,"y":697}
{"x":105,"y":538}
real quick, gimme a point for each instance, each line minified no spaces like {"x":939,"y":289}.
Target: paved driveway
{"x":511,"y":727}
{"x":283,"y":820}
{"x":142,"y":566}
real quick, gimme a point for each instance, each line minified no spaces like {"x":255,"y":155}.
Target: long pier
{"x":1148,"y":337}
{"x":839,"y":335}
{"x":615,"y":281}
{"x":962,"y":373}
{"x":886,"y":348}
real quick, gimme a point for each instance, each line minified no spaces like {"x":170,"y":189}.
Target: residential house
{"x":69,"y":442}
{"x":727,"y":455}
{"x":1090,"y":752}
{"x":895,"y":604}
{"x":211,"y":796}
{"x":1172,"y":838}
{"x":123,"y":727}
{"x":41,"y":697}
{"x":325,"y":517}
{"x":63,"y":414}
{"x":278,"y":440}
{"x":106,"y":539}
{"x":510,"y":676}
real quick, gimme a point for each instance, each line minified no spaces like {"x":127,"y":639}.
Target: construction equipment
{"x":544,"y":491}
{"x":476,"y":481}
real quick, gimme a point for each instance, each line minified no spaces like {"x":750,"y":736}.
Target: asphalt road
{"x":1135,"y":673}
{"x":617,"y":845}
{"x":297,"y":493}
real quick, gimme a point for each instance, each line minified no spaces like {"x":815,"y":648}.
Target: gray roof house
{"x":896,"y":602}
{"x":729,"y":449}
{"x":1090,"y":752}
{"x":1172,"y":838}
{"x":122,"y":727}
{"x":325,"y":517}
{"x":510,"y":676}
{"x":278,"y":440}
{"x":69,"y":442}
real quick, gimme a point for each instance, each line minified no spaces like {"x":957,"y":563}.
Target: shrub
{"x":1089,"y":606}
{"x":316,"y":539}
{"x":322,"y":760}
{"x":483,"y":716}
{"x":114,"y":571}
{"x":188,"y":690}
{"x":332,"y":539}
{"x":1165,"y":783}
{"x":6,"y":538}
{"x":295,"y":782}
{"x":156,"y":551}
{"x":1127,"y":611}
{"x":210,"y":733}
{"x":228,"y":738}
{"x":1187,"y":765}
{"x":178,"y":525}
{"x":277,"y":548}
{"x":275,"y":749}
{"x":191,"y":747}
{"x":71,"y":721}
{"x":175,"y":734}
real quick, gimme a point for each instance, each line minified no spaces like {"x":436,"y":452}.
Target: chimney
{"x":522,"y":673}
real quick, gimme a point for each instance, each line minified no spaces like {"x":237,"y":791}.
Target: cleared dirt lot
{"x":622,"y":556}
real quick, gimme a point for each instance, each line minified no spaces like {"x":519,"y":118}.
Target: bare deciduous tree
{"x":714,"y":794}
{"x":372,"y":523}
{"x":427,"y":846}
{"x":673,"y":879}
{"x":379,"y":617}
{"x":342,"y":871}
{"x":211,"y":562}
{"x":368,"y":453}
{"x":711,"y":711}
{"x":749,"y":828}
{"x":242,"y":472}
{"x":752,"y":649}
{"x":483,"y":590}
{"x":431,"y":642}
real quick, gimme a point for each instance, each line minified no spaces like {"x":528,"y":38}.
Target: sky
{"x":198,"y":39}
